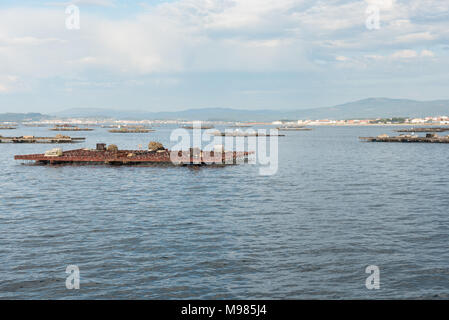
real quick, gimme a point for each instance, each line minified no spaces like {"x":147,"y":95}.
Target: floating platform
{"x":429,"y":138}
{"x":34,"y":125}
{"x":32,"y":139}
{"x":70,"y":129}
{"x":241,"y":126}
{"x":244,"y":134}
{"x":102,"y":156}
{"x":293,"y":129}
{"x":202,"y":127}
{"x":126,"y":130}
{"x":126,"y":126}
{"x":7,"y":128}
{"x":439,"y":129}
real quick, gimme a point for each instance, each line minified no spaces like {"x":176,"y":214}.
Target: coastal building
{"x":417,"y":120}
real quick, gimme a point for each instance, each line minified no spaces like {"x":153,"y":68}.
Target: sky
{"x":174,"y":55}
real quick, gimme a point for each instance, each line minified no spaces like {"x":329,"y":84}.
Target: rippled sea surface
{"x":335,"y":206}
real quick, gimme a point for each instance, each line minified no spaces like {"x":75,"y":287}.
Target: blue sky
{"x":248,"y":54}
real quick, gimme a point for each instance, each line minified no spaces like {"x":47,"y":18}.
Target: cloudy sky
{"x":160,"y":55}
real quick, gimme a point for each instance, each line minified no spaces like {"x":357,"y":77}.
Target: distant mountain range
{"x":381,"y":107}
{"x":18,"y":117}
{"x":367,"y":108}
{"x":209,"y":114}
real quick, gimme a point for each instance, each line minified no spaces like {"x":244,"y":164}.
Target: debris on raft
{"x":112,"y":148}
{"x":438,"y":129}
{"x":131,"y":130}
{"x":244,"y":134}
{"x":294,"y":129}
{"x":59,"y":138}
{"x":56,"y":152}
{"x":429,"y":138}
{"x":156,"y":155}
{"x":155,"y":146}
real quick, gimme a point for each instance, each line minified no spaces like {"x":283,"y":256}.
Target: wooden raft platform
{"x":293,"y":129}
{"x":131,"y":130}
{"x":134,"y":157}
{"x":439,"y":129}
{"x":429,"y":138}
{"x":244,"y":134}
{"x":31,"y":139}
{"x":202,"y":127}
{"x":70,"y":129}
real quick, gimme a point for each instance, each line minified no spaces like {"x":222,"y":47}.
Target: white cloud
{"x":9,"y":83}
{"x":381,"y":4}
{"x":30,"y":41}
{"x":427,"y":53}
{"x":409,"y":54}
{"x":341,"y":58}
{"x":102,"y":3}
{"x":417,"y":36}
{"x":217,"y":35}
{"x":405,"y":54}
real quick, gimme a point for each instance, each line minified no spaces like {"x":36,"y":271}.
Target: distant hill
{"x":18,"y":117}
{"x":379,"y":107}
{"x":208,"y":114}
{"x":367,"y":108}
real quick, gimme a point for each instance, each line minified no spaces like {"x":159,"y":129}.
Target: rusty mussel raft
{"x":136,"y":129}
{"x":408,"y":138}
{"x":238,"y":133}
{"x":435,"y":129}
{"x":203,"y":127}
{"x":59,"y":138}
{"x":156,"y":154}
{"x":293,"y":128}
{"x":67,"y":127}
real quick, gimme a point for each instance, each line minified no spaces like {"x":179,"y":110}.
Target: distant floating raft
{"x":293,"y":129}
{"x":241,"y":126}
{"x":429,"y":138}
{"x":32,"y":139}
{"x":202,"y":127}
{"x":124,"y":126}
{"x":122,"y":130}
{"x":244,"y":134}
{"x":70,"y":129}
{"x":34,"y":125}
{"x":439,"y":129}
{"x":7,"y":128}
